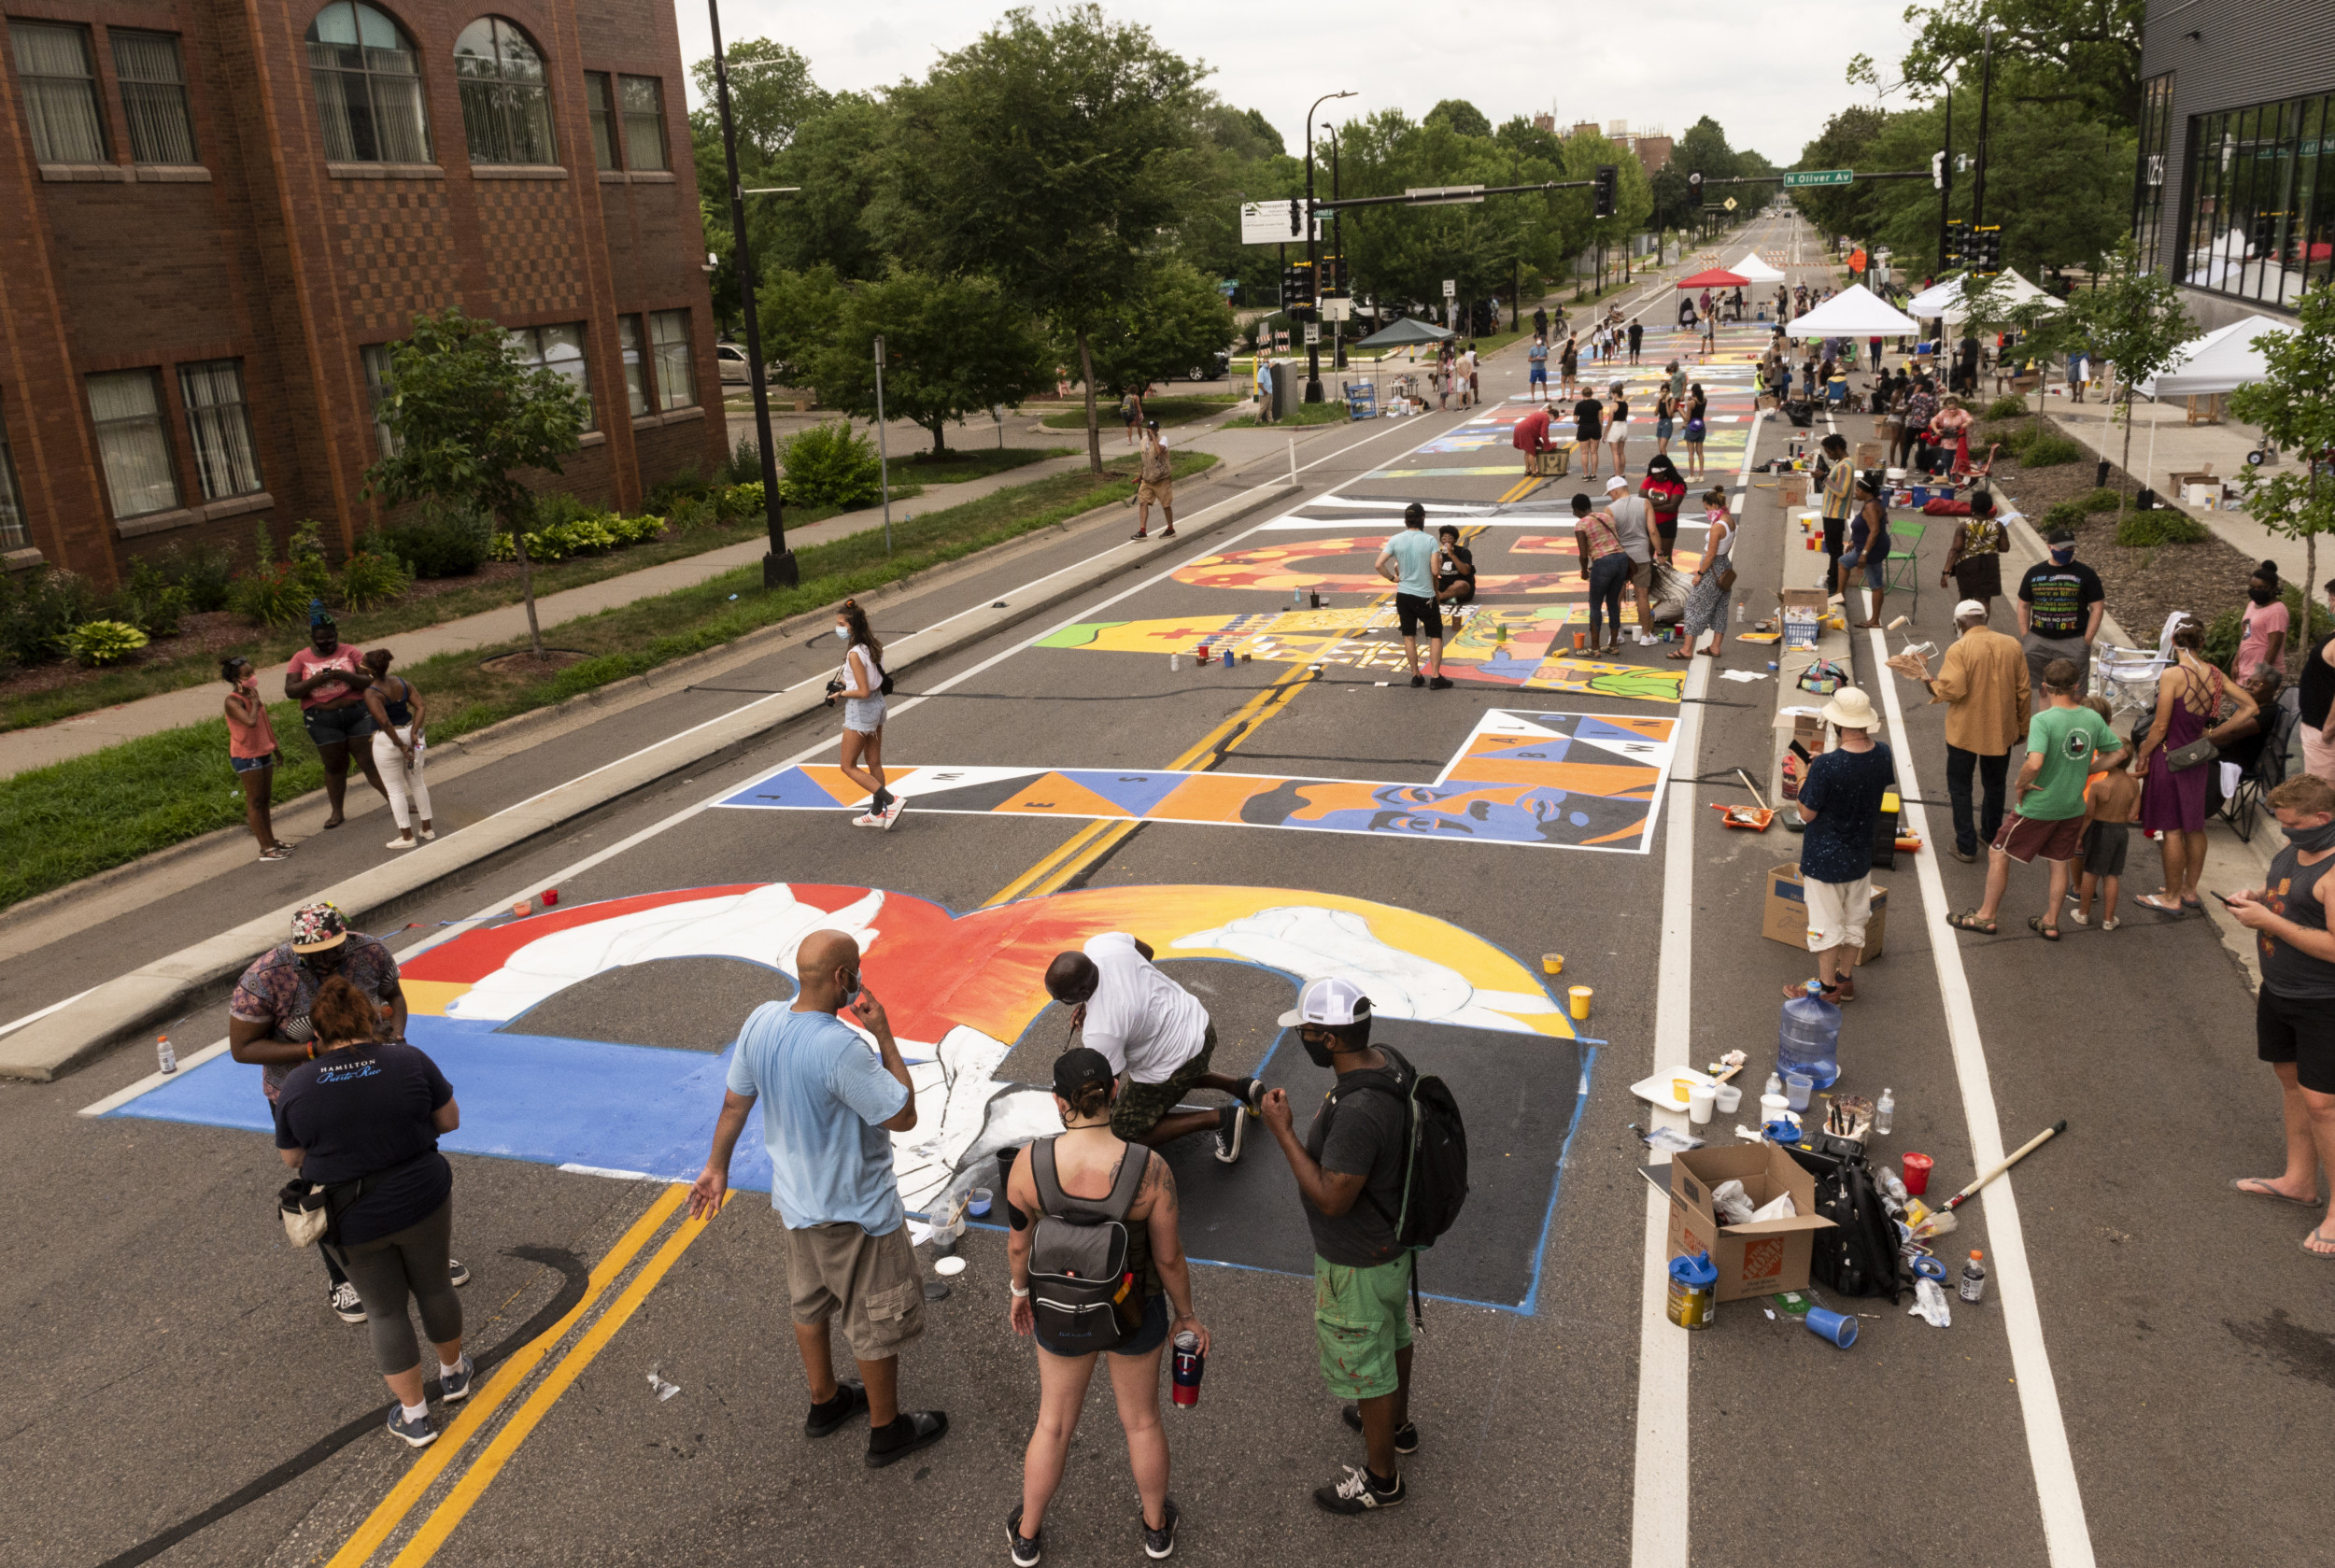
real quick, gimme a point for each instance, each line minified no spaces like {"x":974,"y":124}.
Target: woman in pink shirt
{"x":2267,"y":622}
{"x":251,"y":751}
{"x":330,"y":679}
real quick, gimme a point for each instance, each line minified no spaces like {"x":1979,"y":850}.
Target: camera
{"x":832,"y":687}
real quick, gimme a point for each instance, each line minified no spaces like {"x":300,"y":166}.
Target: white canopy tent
{"x":1752,"y":270}
{"x":1854,"y":312}
{"x":1944,"y":300}
{"x":2222,"y":360}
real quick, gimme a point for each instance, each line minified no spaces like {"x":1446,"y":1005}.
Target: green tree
{"x":1677,"y":205}
{"x":1849,"y":140}
{"x":834,"y":160}
{"x":2296,"y":416}
{"x":468,"y":419}
{"x":2134,"y":321}
{"x":953,"y":345}
{"x":770,"y":95}
{"x":1050,"y":155}
{"x":1171,"y":321}
{"x":1704,"y":150}
{"x":1461,"y":116}
{"x":2084,"y":54}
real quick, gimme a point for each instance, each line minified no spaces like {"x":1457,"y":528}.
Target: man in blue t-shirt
{"x":1407,"y":561}
{"x":1539,"y":377}
{"x":1840,"y":800}
{"x":829,"y":1109}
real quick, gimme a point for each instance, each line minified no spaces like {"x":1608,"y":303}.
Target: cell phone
{"x":2227,"y":902}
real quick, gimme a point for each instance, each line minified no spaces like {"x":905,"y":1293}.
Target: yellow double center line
{"x":1080,"y":851}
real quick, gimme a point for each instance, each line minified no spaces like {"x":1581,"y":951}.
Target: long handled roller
{"x":2016,"y":1155}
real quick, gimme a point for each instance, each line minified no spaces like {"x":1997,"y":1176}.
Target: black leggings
{"x":387,"y":1269}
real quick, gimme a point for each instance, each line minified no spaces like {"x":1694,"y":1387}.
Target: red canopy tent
{"x":1718,"y":277}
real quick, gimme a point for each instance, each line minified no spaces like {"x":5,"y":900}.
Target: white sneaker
{"x":405,"y":843}
{"x":892,"y":813}
{"x":870,"y":819}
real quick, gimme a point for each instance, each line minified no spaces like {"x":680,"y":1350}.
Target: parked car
{"x":1215,"y":368}
{"x":737,"y":368}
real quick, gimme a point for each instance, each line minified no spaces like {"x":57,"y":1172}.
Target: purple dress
{"x":2172,"y":801}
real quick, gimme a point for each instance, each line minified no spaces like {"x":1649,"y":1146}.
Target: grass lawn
{"x":72,"y":819}
{"x":1180,"y":409}
{"x":1323,"y":413}
{"x":958,"y":464}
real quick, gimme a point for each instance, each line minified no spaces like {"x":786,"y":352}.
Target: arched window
{"x":368,"y":81}
{"x":506,"y":108}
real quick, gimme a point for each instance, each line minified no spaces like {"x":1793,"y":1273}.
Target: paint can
{"x":1694,"y":1290}
{"x":1175,"y":663}
{"x":1228,"y":658}
{"x":978,"y":1205}
{"x":1553,"y":963}
{"x":1579,"y":995}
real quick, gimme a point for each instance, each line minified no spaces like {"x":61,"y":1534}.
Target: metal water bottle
{"x":1186,"y":1367}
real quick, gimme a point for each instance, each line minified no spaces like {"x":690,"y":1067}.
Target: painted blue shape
{"x":1138,"y":793}
{"x":792,"y":788}
{"x":1578,"y":819}
{"x":1587,"y":727}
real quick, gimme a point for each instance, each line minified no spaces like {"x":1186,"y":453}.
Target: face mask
{"x":851,"y":987}
{"x":2259,"y":594}
{"x":1321,"y":1055}
{"x":2060,"y":558}
{"x":842,"y":633}
{"x":2310,"y":841}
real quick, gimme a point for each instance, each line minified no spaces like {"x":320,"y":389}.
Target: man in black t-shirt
{"x":1349,"y":1171}
{"x":1588,"y":429}
{"x":2061,"y":603}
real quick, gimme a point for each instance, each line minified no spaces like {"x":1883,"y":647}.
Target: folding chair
{"x":1901,"y":572}
{"x":2247,"y":803}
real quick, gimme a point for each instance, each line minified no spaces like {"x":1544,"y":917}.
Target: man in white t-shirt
{"x":1156,"y":1036}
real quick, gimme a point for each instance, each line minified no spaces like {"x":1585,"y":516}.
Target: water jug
{"x":1808,"y":1039}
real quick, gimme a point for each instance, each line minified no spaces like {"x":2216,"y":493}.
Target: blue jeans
{"x":1607,"y":576}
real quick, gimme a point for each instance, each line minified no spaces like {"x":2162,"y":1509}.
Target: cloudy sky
{"x":1654,"y":62}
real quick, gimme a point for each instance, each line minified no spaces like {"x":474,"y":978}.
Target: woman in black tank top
{"x":397,"y":748}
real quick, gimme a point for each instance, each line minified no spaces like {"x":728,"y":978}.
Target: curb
{"x":69,"y":1039}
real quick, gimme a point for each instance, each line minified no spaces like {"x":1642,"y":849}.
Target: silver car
{"x":735,"y":367}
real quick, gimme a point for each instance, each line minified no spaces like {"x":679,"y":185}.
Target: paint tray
{"x":1755,"y":818}
{"x":1658,"y":1090}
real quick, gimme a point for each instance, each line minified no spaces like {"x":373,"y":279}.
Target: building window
{"x":2148,"y":187}
{"x":506,"y":107}
{"x":60,"y":86}
{"x":643,"y":123}
{"x":376,"y":357}
{"x":635,"y":370}
{"x":2260,"y":218}
{"x":153,"y":96}
{"x":14,"y":534}
{"x":368,"y":81}
{"x":677,"y":371}
{"x":560,"y":349}
{"x":127,"y":407}
{"x":603,"y":117}
{"x":219,"y":423}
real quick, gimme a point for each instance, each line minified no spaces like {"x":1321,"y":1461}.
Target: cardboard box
{"x":1755,"y":1260}
{"x":2180,"y":480}
{"x":1803,"y":614}
{"x":1792,"y":489}
{"x":1785,"y":916}
{"x":1869,"y":454}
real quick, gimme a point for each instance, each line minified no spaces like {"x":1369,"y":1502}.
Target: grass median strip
{"x":76,"y":818}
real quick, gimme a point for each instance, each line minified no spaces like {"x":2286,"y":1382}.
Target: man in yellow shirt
{"x":1983,"y":681}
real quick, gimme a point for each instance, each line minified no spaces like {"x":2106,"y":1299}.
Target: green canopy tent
{"x":1404,"y":334}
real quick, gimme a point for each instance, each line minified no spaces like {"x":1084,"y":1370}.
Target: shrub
{"x":305,"y":555}
{"x":2221,"y":638}
{"x":827,"y":465}
{"x":147,"y":601}
{"x":2008,"y":406}
{"x":745,"y":463}
{"x":2011,"y":438}
{"x":561,"y":507}
{"x":593,"y":533}
{"x":685,"y":486}
{"x":2049,"y":450}
{"x":38,"y":608}
{"x":740,"y":503}
{"x":442,"y":540}
{"x":2147,"y":529}
{"x":94,"y":644}
{"x":272,"y":592}
{"x":371,"y":578}
{"x":204,"y":571}
{"x":2065,"y":514}
{"x":2102,"y":499}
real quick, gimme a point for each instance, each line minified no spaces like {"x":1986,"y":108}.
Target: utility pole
{"x":884,"y":456}
{"x":1945,"y":190}
{"x":779,"y":569}
{"x":1313,"y":349}
{"x":1986,"y":86}
{"x":1337,"y":238}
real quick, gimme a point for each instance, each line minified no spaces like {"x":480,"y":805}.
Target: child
{"x":2112,"y":800}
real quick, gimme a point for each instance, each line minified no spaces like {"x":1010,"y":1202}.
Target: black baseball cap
{"x":1078,"y":1066}
{"x":2060,"y":536}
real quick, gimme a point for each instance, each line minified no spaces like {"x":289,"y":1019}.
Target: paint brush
{"x":2016,"y":1155}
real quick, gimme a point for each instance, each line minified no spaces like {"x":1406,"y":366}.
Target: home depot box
{"x":1785,"y":916}
{"x":1792,"y":489}
{"x":1757,"y":1259}
{"x":1869,"y":454}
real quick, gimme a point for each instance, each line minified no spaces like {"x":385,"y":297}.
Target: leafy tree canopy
{"x":770,"y":95}
{"x":1172,"y":321}
{"x":2082,"y":53}
{"x":1461,"y":116}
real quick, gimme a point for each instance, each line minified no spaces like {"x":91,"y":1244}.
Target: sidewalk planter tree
{"x":1171,"y":320}
{"x":2134,"y":321}
{"x":467,"y":416}
{"x":2295,"y":407}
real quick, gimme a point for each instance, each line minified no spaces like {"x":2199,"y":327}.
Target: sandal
{"x":2327,"y":1243}
{"x":1830,"y":992}
{"x":2148,"y":901}
{"x":1967,"y":921}
{"x":2048,"y":933}
{"x":2259,"y":1187}
{"x":1681,"y":657}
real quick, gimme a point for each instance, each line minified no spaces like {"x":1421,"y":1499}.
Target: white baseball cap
{"x":1615,"y":484}
{"x":1970,"y":607}
{"x":1331,"y":1002}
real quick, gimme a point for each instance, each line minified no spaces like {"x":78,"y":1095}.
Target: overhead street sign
{"x":1274,"y":223}
{"x":1441,"y":195}
{"x":1819,"y":176}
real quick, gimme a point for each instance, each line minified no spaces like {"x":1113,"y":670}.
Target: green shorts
{"x":1139,"y":1106}
{"x":1360,"y":1321}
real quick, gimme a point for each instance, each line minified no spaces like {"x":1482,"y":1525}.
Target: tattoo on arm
{"x":1159,"y":1184}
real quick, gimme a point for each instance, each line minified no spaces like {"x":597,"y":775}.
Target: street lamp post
{"x":1337,"y":238}
{"x":779,"y":569}
{"x":1313,"y":349}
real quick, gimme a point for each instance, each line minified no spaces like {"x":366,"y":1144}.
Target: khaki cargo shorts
{"x":1139,"y":1106}
{"x":872,"y":1280}
{"x":1156,"y":492}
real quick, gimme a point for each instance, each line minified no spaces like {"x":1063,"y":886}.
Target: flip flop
{"x":2148,"y":901}
{"x":2318,"y":1234}
{"x":2265,"y":1190}
{"x":2048,"y":933}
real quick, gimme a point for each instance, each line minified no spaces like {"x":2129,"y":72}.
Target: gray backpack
{"x":1080,"y":1292}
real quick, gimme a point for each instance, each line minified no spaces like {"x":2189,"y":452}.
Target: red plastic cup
{"x":1917,"y":1173}
{"x":551,"y":897}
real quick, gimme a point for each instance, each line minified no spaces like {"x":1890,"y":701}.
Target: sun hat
{"x":316,"y":927}
{"x":1331,"y":1002}
{"x":1851,"y":709}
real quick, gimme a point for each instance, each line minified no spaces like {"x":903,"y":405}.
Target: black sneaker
{"x":1161,"y":1542}
{"x":850,"y":1399}
{"x":456,"y":1273}
{"x":1252,"y":1095}
{"x":1419,"y":680}
{"x":1440,"y":682}
{"x":1026,"y":1550}
{"x":345,"y":1303}
{"x":1355,"y":1492}
{"x":909,"y":1430}
{"x":1405,"y":1436}
{"x":1232,"y":1128}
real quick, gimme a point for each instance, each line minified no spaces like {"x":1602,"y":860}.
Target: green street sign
{"x":1819,"y":176}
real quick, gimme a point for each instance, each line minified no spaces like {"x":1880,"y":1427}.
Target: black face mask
{"x":1320,"y":1051}
{"x":2310,"y":841}
{"x":2259,"y":594}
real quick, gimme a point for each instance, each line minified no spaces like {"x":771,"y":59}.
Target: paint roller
{"x":2016,"y":1156}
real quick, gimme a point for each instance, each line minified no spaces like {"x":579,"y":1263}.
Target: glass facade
{"x":2259,"y":222}
{"x":2148,"y":186}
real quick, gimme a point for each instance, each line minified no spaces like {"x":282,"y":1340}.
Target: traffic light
{"x":1987,"y":250}
{"x":1608,"y":183}
{"x":1694,"y":185}
{"x":1937,"y":171}
{"x":1298,"y":286}
{"x":1330,"y":276}
{"x":1956,"y":245}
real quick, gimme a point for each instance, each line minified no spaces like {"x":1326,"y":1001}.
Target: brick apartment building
{"x":216,"y":216}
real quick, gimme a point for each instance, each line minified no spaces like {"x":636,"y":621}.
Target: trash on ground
{"x":662,"y":1390}
{"x":1665,"y":1140}
{"x":1929,"y":1304}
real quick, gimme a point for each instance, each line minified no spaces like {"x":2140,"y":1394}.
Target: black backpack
{"x":1081,"y":1290}
{"x":1859,"y":1256}
{"x":1435,"y":1170}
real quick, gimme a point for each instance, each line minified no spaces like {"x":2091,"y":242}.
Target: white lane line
{"x":1661,"y":1497}
{"x":2067,"y":1537}
{"x":151,"y":1080}
{"x":11,"y":1028}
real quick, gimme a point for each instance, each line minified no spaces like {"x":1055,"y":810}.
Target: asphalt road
{"x":1302,"y":811}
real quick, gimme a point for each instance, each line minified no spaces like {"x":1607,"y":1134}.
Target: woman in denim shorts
{"x":251,"y":752}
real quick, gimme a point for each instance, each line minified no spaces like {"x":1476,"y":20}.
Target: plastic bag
{"x":1778,"y":1208}
{"x":1732,"y":1203}
{"x":1929,"y":1304}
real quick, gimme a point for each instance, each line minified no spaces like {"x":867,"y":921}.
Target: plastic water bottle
{"x":1885,"y":1112}
{"x":1809,"y":1040}
{"x":164,"y":1057}
{"x":1974,"y":1282}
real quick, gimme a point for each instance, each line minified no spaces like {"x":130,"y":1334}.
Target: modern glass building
{"x":2234,"y":195}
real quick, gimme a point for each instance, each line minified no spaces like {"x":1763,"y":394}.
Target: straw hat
{"x":1851,"y":709}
